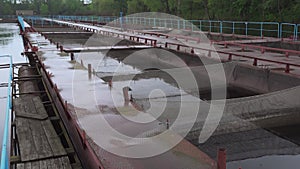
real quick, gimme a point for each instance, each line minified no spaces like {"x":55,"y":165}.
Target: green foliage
{"x":6,"y":8}
{"x":44,"y":9}
{"x":136,"y":6}
{"x":245,"y":10}
{"x":107,"y":7}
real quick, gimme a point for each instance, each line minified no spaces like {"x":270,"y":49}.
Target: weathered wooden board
{"x":53,"y":139}
{"x":38,"y":139}
{"x":30,"y":107}
{"x":53,"y":163}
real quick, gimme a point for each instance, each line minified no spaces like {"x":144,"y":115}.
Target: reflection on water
{"x":6,"y":34}
{"x":10,"y":44}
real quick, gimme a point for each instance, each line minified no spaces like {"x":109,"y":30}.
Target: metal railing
{"x":255,"y":59}
{"x":8,"y":16}
{"x":5,"y":150}
{"x":261,"y":29}
{"x":21,"y":22}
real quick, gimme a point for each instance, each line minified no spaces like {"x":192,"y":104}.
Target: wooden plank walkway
{"x":39,"y":145}
{"x":62,"y":162}
{"x":30,"y":107}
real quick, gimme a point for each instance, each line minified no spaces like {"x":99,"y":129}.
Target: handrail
{"x":4,"y":155}
{"x":262,"y":29}
{"x":263,"y":49}
{"x":231,"y":54}
{"x":21,"y":21}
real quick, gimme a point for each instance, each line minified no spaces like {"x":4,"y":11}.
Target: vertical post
{"x":230,"y":57}
{"x":155,"y":43}
{"x":200,"y":26}
{"x":90,"y":71}
{"x":233,"y":28}
{"x":61,"y":48}
{"x":126,"y":95}
{"x":222,"y":158}
{"x":209,"y":26}
{"x":209,"y":53}
{"x":168,"y":124}
{"x":72,"y":56}
{"x":296,"y":32}
{"x":255,"y":62}
{"x":121,"y":20}
{"x":279,"y":30}
{"x":287,"y":69}
{"x":192,"y":51}
{"x":166,"y":23}
{"x":287,"y":54}
{"x":246,"y":24}
{"x":110,"y":84}
{"x":90,"y":68}
{"x":221,"y":27}
{"x":192,"y":25}
{"x":261,"y":29}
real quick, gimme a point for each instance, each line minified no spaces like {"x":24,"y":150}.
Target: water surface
{"x":11,"y":43}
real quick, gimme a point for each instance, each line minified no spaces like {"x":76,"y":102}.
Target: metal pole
{"x":233,"y":28}
{"x":261,"y":29}
{"x":121,"y":20}
{"x":221,"y":27}
{"x":246,"y":23}
{"x":200,"y":26}
{"x":279,"y":30}
{"x":296,"y":32}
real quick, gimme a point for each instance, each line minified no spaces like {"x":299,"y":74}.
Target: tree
{"x":137,"y":6}
{"x":44,"y":9}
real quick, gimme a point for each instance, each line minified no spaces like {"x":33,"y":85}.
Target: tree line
{"x":245,"y":10}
